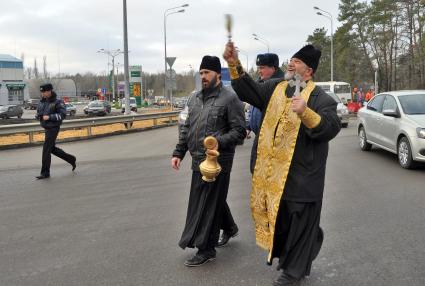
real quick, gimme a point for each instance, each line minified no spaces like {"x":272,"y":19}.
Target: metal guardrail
{"x":31,"y":128}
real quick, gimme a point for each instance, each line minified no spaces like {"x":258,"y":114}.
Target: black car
{"x":8,"y":111}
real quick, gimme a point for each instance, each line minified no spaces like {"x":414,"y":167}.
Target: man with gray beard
{"x":299,"y":119}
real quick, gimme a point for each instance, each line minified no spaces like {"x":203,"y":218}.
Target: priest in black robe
{"x":299,"y":119}
{"x":214,"y":111}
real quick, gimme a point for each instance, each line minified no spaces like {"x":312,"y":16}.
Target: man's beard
{"x":289,"y":75}
{"x":211,"y":85}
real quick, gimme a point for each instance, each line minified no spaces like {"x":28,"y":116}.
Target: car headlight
{"x":421,"y":132}
{"x":344,"y":111}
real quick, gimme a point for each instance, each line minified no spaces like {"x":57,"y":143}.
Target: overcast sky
{"x":69,"y":32}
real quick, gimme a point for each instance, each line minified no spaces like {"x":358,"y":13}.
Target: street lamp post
{"x":329,"y":16}
{"x":165,"y":43}
{"x":127,"y":84}
{"x":112,"y":54}
{"x":263,"y":41}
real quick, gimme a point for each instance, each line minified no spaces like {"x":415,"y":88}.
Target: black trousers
{"x":49,"y":147}
{"x":227,"y":222}
{"x":298,"y":236}
{"x":207,"y":212}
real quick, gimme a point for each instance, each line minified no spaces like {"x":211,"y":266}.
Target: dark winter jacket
{"x":53,"y":107}
{"x":218,"y":113}
{"x":256,"y":114}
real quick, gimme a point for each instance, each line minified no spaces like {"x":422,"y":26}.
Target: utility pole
{"x":330,"y":17}
{"x":112,"y":54}
{"x":127,"y":84}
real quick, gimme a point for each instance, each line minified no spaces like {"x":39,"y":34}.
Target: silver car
{"x":185,"y":111}
{"x":71,"y":110}
{"x":395,"y":121}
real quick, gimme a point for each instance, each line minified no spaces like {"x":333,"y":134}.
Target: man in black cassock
{"x":213,"y":111}
{"x":299,"y":119}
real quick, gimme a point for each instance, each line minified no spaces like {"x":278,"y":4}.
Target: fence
{"x":31,"y":128}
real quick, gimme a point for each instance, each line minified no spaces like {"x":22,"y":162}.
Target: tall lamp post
{"x":126,"y":72}
{"x":166,"y":14}
{"x":112,"y":54}
{"x":329,"y":16}
{"x":263,"y":41}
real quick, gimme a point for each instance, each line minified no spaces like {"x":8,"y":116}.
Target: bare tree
{"x":35,"y":69}
{"x":45,"y":74}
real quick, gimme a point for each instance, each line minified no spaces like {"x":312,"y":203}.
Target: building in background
{"x":64,"y":88}
{"x":13,"y":89}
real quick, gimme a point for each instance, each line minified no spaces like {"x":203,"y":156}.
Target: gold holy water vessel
{"x":210,"y":168}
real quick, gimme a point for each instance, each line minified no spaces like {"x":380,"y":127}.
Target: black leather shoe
{"x":286,"y":280}
{"x":226,"y":236}
{"x":74,"y":164}
{"x":41,"y":177}
{"x":198,"y":260}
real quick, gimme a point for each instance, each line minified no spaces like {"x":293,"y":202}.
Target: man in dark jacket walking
{"x":214,"y":111}
{"x":51,"y":111}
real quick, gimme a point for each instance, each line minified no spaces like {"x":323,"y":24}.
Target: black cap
{"x":309,"y":55}
{"x":46,"y":87}
{"x":211,"y":63}
{"x":268,"y":59}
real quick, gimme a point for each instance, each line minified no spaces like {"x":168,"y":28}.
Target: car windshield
{"x":334,"y":96}
{"x":342,"y":88}
{"x":95,"y":104}
{"x":413,"y":103}
{"x":132,"y":101}
{"x":326,"y":87}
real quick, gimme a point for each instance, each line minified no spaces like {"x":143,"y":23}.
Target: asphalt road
{"x":118,"y":218}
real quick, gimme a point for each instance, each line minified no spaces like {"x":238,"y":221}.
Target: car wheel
{"x":364,"y":145}
{"x":344,"y":125}
{"x":404,"y":152}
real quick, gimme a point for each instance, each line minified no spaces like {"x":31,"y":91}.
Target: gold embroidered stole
{"x":276,"y":145}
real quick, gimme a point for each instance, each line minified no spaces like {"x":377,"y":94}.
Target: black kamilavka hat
{"x":211,"y":63}
{"x":309,"y":55}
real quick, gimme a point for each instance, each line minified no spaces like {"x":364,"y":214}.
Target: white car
{"x":341,"y":110}
{"x":395,"y":121}
{"x":133,"y":104}
{"x":185,"y":111}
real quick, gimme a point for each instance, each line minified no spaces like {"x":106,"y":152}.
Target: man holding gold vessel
{"x":214,"y":112}
{"x":299,"y":119}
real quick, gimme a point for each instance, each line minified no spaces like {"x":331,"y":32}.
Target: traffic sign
{"x":170,"y":61}
{"x":171,"y":74}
